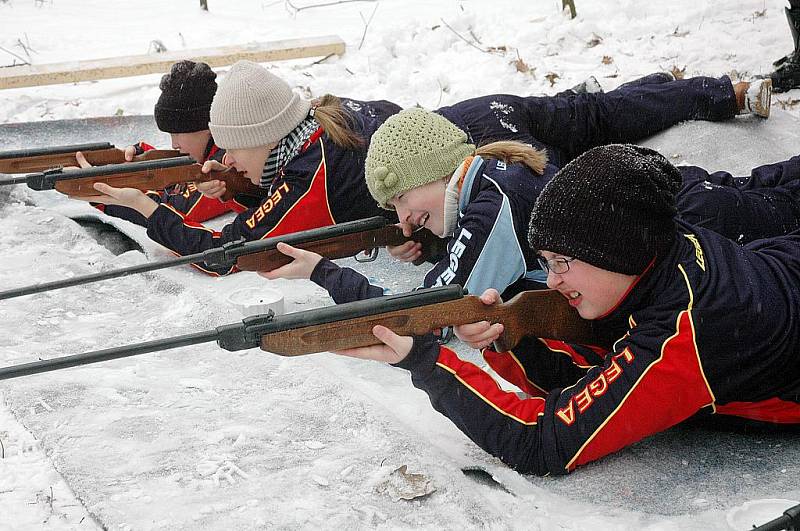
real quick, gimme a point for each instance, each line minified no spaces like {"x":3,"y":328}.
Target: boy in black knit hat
{"x":704,"y":326}
{"x":182,"y":110}
{"x":185,"y":101}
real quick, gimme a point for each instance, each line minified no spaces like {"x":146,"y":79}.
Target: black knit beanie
{"x":185,"y":101}
{"x":612,"y":207}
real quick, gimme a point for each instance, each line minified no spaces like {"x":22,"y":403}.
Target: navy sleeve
{"x":343,"y":284}
{"x":762,"y":205}
{"x":128,"y":214}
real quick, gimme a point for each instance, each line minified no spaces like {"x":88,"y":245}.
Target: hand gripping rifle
{"x":336,"y":241}
{"x":144,"y":175}
{"x":544,"y":313}
{"x":97,"y":154}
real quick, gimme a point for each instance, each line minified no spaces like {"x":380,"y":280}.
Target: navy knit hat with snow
{"x":612,"y":207}
{"x":186,"y":95}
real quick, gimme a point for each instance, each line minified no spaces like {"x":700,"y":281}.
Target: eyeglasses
{"x":557,"y":266}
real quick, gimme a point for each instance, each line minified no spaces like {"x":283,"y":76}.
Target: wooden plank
{"x":137,"y":65}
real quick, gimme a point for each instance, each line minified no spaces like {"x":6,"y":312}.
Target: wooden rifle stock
{"x":235,"y":182}
{"x":345,"y":246}
{"x":544,"y":313}
{"x":97,"y":154}
{"x":145,"y":175}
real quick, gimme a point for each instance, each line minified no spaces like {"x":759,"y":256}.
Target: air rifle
{"x":336,"y":241}
{"x":544,"y":313}
{"x":790,"y":521}
{"x":145,"y":175}
{"x":97,"y":154}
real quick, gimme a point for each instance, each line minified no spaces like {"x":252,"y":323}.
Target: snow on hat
{"x":612,"y":207}
{"x":185,"y":100}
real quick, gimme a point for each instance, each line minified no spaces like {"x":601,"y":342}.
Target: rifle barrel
{"x":789,"y":520}
{"x":125,"y":167}
{"x":86,"y":358}
{"x":243,"y":335}
{"x":96,"y":277}
{"x":6,"y":179}
{"x":55,"y":150}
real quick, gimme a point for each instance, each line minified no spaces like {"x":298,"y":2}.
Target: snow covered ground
{"x":201,"y":438}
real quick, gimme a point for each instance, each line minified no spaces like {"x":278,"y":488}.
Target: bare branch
{"x":26,"y":47}
{"x":24,"y":62}
{"x":472,"y":34}
{"x":441,"y":91}
{"x":319,"y":61}
{"x":464,"y":38}
{"x":366,"y":24}
{"x":296,"y":9}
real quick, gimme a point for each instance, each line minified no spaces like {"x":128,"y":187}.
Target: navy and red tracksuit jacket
{"x":323,"y":185}
{"x":186,"y":198}
{"x":711,"y":328}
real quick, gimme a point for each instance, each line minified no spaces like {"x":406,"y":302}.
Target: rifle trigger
{"x":447,"y":335}
{"x":369,"y":256}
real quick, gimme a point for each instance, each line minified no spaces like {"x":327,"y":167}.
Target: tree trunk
{"x":571,"y":4}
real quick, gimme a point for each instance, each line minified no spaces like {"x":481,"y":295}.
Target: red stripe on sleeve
{"x":772,"y":410}
{"x":523,"y":410}
{"x":206,"y":208}
{"x":509,"y":368}
{"x":566,"y":348}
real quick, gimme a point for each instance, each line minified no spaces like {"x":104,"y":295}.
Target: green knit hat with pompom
{"x":413,"y":148}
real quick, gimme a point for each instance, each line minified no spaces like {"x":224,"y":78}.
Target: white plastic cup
{"x":256,"y":301}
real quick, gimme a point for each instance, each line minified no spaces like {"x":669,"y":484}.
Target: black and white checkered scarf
{"x":288,"y":147}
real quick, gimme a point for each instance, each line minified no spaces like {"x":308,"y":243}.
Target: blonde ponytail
{"x":336,"y":122}
{"x":511,"y":152}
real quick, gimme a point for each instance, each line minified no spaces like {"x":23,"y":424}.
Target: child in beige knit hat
{"x":306,"y":156}
{"x":254,"y":110}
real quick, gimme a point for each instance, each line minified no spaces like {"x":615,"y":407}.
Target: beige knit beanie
{"x":413,"y":148}
{"x":253,"y":107}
